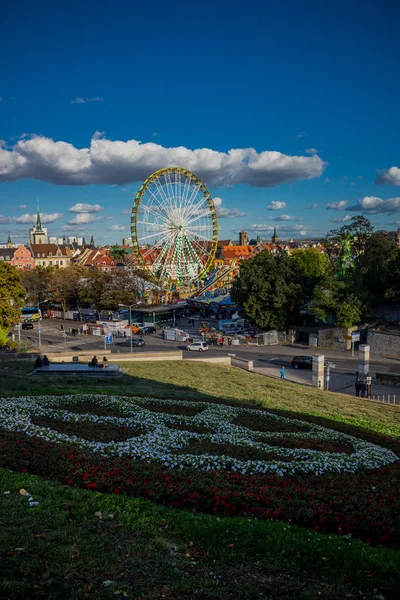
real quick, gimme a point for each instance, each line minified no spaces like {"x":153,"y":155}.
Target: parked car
{"x":198,"y":346}
{"x":27,"y":326}
{"x":135,"y":342}
{"x":302,"y":362}
{"x":149,"y":329}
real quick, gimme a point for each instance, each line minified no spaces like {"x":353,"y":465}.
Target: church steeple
{"x":9,"y":241}
{"x":275,"y":236}
{"x":38,"y":221}
{"x":92,"y":241}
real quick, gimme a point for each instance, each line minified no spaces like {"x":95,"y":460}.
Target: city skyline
{"x":289,"y":115}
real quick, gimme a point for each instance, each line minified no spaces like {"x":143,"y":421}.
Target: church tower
{"x":38,"y":235}
{"x":9,"y":241}
{"x":275,"y":237}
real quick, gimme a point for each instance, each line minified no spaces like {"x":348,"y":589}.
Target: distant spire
{"x":9,"y":241}
{"x":275,"y":236}
{"x":83,"y":241}
{"x":92,"y":241}
{"x":38,"y":221}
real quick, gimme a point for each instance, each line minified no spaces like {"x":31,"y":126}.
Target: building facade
{"x":50,"y":255}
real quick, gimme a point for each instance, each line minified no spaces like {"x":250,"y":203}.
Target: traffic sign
{"x":109,"y":339}
{"x":355,"y":336}
{"x":39,"y":330}
{"x":104,"y":324}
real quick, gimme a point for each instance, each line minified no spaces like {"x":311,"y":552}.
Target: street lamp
{"x":40,"y":327}
{"x":129,"y":306}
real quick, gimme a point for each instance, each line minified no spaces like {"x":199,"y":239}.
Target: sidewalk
{"x":339,"y":382}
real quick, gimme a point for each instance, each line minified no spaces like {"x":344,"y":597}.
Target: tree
{"x":118,"y":253}
{"x":37,"y":284}
{"x":267,"y":290}
{"x":358,"y":230}
{"x":378,"y":267}
{"x":65,"y":286}
{"x":12,"y":295}
{"x":312,"y":267}
{"x":333,"y":302}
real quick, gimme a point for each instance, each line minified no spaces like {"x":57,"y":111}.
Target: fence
{"x":387,"y":398}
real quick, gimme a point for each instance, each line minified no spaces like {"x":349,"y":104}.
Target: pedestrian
{"x":283,"y":373}
{"x":46,"y":362}
{"x":357,"y":385}
{"x":363,"y":389}
{"x":105,"y":361}
{"x":221,"y":341}
{"x":229,"y":341}
{"x":124,"y":334}
{"x":38,"y":363}
{"x":94,"y":362}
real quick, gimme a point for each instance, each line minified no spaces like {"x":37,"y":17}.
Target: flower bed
{"x":310,"y":475}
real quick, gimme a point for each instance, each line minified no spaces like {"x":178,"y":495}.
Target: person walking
{"x":283,"y":373}
{"x":357,"y":385}
{"x":363,"y":389}
{"x":221,"y":341}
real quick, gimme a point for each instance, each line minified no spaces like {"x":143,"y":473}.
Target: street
{"x":267,"y":359}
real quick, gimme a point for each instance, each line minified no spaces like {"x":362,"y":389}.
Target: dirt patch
{"x":310,"y":444}
{"x":238,"y":452}
{"x":91,"y":408}
{"x":268,"y":424}
{"x":94,"y":432}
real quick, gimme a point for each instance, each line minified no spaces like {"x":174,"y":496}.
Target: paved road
{"x":264,"y":357}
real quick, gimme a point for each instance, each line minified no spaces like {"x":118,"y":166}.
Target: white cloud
{"x":284,"y":218}
{"x":126,"y":211}
{"x":85,"y":208}
{"x":83,"y":218}
{"x":294,"y":228}
{"x":391,"y":175}
{"x":312,"y":207}
{"x":276,"y":205}
{"x":300,"y":135}
{"x":343,"y":220}
{"x":337,"y":205}
{"x":372,"y":204}
{"x":108,"y":162}
{"x":227,"y":213}
{"x":311,"y":151}
{"x":22,"y":206}
{"x":116,"y":228}
{"x":85,"y":100}
{"x":27,"y":219}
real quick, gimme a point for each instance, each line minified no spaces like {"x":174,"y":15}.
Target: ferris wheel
{"x":174,"y":227}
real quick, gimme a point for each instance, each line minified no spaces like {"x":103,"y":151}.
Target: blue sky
{"x":311,"y":80}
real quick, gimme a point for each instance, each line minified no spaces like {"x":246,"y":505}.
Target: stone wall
{"x":385,"y":344}
{"x":329,"y":338}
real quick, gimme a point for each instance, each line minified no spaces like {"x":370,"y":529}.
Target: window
{"x":50,"y":262}
{"x":61,"y":262}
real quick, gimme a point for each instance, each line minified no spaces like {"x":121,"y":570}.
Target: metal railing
{"x":386,"y":398}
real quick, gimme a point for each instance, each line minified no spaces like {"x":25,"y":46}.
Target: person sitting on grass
{"x":38,"y":363}
{"x":94,"y":362}
{"x":46,"y":362}
{"x":105,"y":361}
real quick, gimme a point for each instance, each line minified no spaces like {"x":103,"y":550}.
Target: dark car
{"x":302,"y":362}
{"x":149,"y":329}
{"x":27,"y":326}
{"x":135,"y":342}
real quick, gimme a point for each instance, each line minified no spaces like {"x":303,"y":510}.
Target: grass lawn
{"x":136,"y":549}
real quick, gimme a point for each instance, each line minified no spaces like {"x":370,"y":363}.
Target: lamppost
{"x":129,"y":306}
{"x":40,"y":327}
